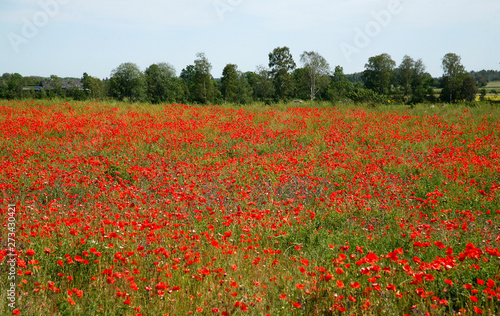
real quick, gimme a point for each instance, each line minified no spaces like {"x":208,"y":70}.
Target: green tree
{"x":301,"y":84}
{"x":282,"y":65}
{"x":340,"y":86}
{"x":93,"y":87}
{"x":452,"y":77}
{"x":422,"y":84}
{"x":481,"y":79}
{"x":203,"y":89}
{"x":160,"y":81}
{"x":128,"y":82}
{"x":411,"y":78}
{"x":6,"y":76}
{"x":180,"y":92}
{"x":245,"y":91}
{"x":3,"y":88}
{"x":482,"y":94}
{"x":469,"y":88}
{"x":14,"y":86}
{"x":405,"y":73}
{"x":456,"y":82}
{"x":360,"y":94}
{"x":262,"y":84}
{"x":188,"y":78}
{"x":379,"y":73}
{"x":317,"y":69}
{"x":53,"y":86}
{"x":229,"y":83}
{"x":452,"y":66}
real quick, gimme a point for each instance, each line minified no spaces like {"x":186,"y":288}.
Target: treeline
{"x":281,"y":80}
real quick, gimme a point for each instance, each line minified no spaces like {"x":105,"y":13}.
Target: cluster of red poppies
{"x":175,"y":209}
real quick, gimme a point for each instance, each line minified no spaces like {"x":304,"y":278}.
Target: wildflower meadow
{"x":139,"y":209}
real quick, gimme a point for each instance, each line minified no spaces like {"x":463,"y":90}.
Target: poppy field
{"x":121,"y":209}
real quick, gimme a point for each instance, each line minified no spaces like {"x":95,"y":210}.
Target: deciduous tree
{"x":203,"y":89}
{"x":411,"y":78}
{"x":379,"y":73}
{"x":261,"y":82}
{"x":317,"y":70}
{"x":128,"y":81}
{"x":161,"y":84}
{"x":93,"y":87}
{"x":456,"y":82}
{"x":281,"y":64}
{"x":229,"y":83}
{"x":340,"y":86}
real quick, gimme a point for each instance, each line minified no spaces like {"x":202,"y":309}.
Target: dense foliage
{"x":282,"y":81}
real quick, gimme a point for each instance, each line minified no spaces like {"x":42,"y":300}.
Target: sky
{"x":69,"y":37}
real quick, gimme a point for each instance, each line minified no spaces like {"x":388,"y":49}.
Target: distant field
{"x":490,"y":88}
{"x":493,"y":85}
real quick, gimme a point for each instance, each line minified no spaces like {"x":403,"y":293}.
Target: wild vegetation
{"x":143,"y":209}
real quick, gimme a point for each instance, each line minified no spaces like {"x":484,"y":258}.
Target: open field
{"x":490,"y":88}
{"x":122,"y":209}
{"x":493,"y":85}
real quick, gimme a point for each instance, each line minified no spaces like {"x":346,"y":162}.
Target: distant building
{"x":36,"y":88}
{"x":66,"y":84}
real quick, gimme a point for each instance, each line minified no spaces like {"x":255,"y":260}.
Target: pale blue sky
{"x":69,"y":37}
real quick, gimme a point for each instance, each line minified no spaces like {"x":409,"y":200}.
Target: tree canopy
{"x":280,"y":80}
{"x":457,"y":83}
{"x":379,"y":73}
{"x":281,"y":64}
{"x":317,"y":68}
{"x":128,"y":82}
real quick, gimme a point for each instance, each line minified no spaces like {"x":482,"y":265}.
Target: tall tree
{"x":452,"y":66}
{"x":262,"y":84}
{"x":469,"y":88}
{"x":410,"y":76}
{"x":229,"y":83}
{"x":340,"y":86}
{"x":94,"y":87}
{"x":317,"y":69}
{"x":188,"y":78}
{"x":456,"y":82}
{"x":160,"y":80}
{"x":379,"y":72}
{"x":421,"y":83}
{"x":405,"y":73}
{"x":245,"y":91}
{"x":127,"y":81}
{"x":203,"y":82}
{"x":13,"y":87}
{"x":302,"y":89}
{"x":282,"y":64}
